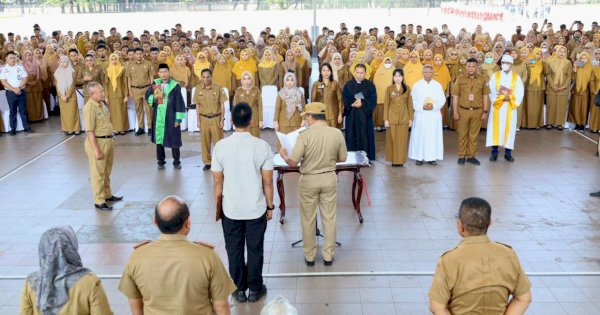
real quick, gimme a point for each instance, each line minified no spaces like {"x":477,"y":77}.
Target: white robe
{"x":506,"y":81}
{"x":426,"y":136}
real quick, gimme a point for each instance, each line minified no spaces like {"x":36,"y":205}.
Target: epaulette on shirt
{"x":449,"y":251}
{"x":142,"y":243}
{"x":503,"y":244}
{"x":212,"y":246}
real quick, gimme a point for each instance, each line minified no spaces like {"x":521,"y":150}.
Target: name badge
{"x":471,"y":97}
{"x":394,"y":94}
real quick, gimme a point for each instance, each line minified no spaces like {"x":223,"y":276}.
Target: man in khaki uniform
{"x":99,"y":145}
{"x":89,"y":72}
{"x":173,"y":276}
{"x":478,"y":276}
{"x":470,"y":105}
{"x":209,"y":98}
{"x":318,"y":148}
{"x":139,"y":77}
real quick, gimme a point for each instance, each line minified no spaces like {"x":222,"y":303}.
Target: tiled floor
{"x":540,"y":206}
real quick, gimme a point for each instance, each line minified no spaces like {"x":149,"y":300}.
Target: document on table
{"x":289,"y":140}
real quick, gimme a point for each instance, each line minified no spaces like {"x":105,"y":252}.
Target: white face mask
{"x":444,"y":40}
{"x":387,"y":65}
{"x":595,"y":63}
{"x":506,"y":67}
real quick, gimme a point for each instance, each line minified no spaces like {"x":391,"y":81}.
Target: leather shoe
{"x":328,"y":262}
{"x":254,"y":296}
{"x":432,"y":163}
{"x":309,"y":263}
{"x":206,"y":167}
{"x":114,"y":198}
{"x":149,"y":132}
{"x":13,"y":132}
{"x":161,"y":166}
{"x":177,"y":166}
{"x":103,"y":206}
{"x":140,"y":131}
{"x":397,"y":165}
{"x":29,"y":130}
{"x":473,"y":161}
{"x":509,"y":158}
{"x":595,"y":194}
{"x":494,"y":157}
{"x":461,"y":161}
{"x":419,"y":163}
{"x":240,"y":296}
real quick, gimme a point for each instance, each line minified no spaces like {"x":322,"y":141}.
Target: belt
{"x":470,"y":108}
{"x":210,"y":116}
{"x":104,"y":137}
{"x":319,"y":173}
{"x":140,"y":86}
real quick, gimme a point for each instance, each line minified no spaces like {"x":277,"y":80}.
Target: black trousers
{"x":252,"y":233}
{"x":160,"y":155}
{"x":17,"y":102}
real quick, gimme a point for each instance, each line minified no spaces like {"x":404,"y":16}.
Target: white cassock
{"x":426,"y":136}
{"x":504,"y":136}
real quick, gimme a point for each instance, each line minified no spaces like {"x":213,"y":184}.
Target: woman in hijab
{"x":377,"y":61}
{"x":558,"y":71}
{"x":361,"y":59}
{"x":288,"y":106}
{"x":222,"y":74}
{"x":580,"y":94}
{"x":62,"y":285}
{"x":520,"y":67}
{"x":305,"y":69}
{"x":413,"y":70}
{"x":328,"y":91}
{"x":181,"y":73}
{"x":489,"y":67}
{"x":64,"y":80}
{"x":381,"y":80}
{"x":594,"y":89}
{"x":290,"y":65}
{"x":170,"y":57}
{"x":398,"y":117}
{"x":250,"y":94}
{"x":45,"y":77}
{"x":244,"y":64}
{"x":116,"y":92}
{"x":402,"y":58}
{"x":341,"y":74}
{"x":34,"y":88}
{"x":268,"y":69}
{"x":534,"y":91}
{"x":441,"y":74}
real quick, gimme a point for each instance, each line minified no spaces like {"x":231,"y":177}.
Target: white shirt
{"x":242,"y":157}
{"x":13,"y":75}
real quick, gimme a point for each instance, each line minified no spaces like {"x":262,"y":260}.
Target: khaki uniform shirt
{"x":471,"y":91}
{"x":254,"y":99}
{"x":318,"y":149}
{"x":96,"y":118}
{"x":477,"y":277}
{"x":209,"y":101}
{"x":77,"y":68}
{"x":281,"y":117}
{"x":86,"y":296}
{"x":97,"y":73}
{"x":140,"y":73}
{"x":397,"y":106}
{"x":331,"y":96}
{"x":174,"y":276}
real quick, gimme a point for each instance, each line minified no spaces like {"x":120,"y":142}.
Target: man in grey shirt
{"x":242,"y":168}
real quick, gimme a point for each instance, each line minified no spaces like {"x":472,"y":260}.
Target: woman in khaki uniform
{"x":594,"y":89}
{"x":535,"y":88}
{"x":116,"y":92}
{"x":520,"y":67}
{"x":223,"y":76}
{"x":268,"y":69}
{"x":289,"y":64}
{"x":62,"y":285}
{"x":288,"y":106}
{"x":46,"y":77}
{"x":328,"y":92}
{"x":248,"y":93}
{"x":64,"y":80}
{"x":580,"y":97}
{"x":398,"y":116}
{"x":34,"y":88}
{"x":558,"y":71}
{"x":381,"y":80}
{"x":341,"y":74}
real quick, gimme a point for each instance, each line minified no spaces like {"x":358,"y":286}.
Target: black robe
{"x":359,"y":121}
{"x":175,"y":111}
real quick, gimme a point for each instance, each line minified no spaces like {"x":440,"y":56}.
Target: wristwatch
{"x":485,"y":111}
{"x":270,"y":209}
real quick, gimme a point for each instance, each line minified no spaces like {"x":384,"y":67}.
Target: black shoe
{"x":419,"y":163}
{"x":494,"y":157}
{"x":161,"y":166}
{"x":473,"y":161}
{"x":177,"y":165}
{"x":240,"y":296}
{"x":149,"y":132}
{"x":13,"y":132}
{"x":432,"y":163}
{"x":328,"y":262}
{"x":595,"y":194}
{"x":397,"y":165}
{"x":140,"y":131}
{"x":309,"y":263}
{"x":102,"y":206}
{"x":114,"y":198}
{"x":254,"y":296}
{"x":29,"y":130}
{"x":461,"y":161}
{"x":206,"y":167}
{"x":509,"y":158}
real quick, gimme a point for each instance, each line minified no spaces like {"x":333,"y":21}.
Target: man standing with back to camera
{"x":319,"y":148}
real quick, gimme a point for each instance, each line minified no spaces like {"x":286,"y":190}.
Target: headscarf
{"x":251,"y":83}
{"x":244,"y":65}
{"x":583,"y":74}
{"x":43,"y":66}
{"x":264,"y":63}
{"x":596,"y":71}
{"x":413,"y":72}
{"x":449,"y":61}
{"x":222,"y":73}
{"x":51,"y":58}
{"x":489,"y":68}
{"x":376,"y":63}
{"x":335,"y":67}
{"x":299,"y":59}
{"x":64,"y":76}
{"x":113,"y":71}
{"x":180,"y":73}
{"x":32,"y":67}
{"x":292,"y":97}
{"x":170,"y":56}
{"x":361,"y":55}
{"x":60,"y":269}
{"x":430,"y":61}
{"x":382,"y":79}
{"x":558,"y":65}
{"x":441,"y":73}
{"x":535,"y":69}
{"x":200,"y":65}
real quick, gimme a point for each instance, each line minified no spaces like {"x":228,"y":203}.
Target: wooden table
{"x":354,"y":162}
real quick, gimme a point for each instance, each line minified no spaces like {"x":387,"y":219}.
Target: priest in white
{"x":506,"y":96}
{"x":426,"y":136}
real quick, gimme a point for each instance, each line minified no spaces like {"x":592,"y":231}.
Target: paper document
{"x":289,"y":140}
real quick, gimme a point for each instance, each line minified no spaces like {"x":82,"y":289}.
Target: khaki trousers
{"x":100,"y":169}
{"x":396,"y":144}
{"x":469,"y":124}
{"x":141,"y":104}
{"x":255,"y":131}
{"x":318,"y":190}
{"x":210,"y":133}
